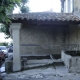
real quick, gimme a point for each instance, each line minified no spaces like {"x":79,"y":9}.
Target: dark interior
{"x":73,"y":53}
{"x":42,"y":57}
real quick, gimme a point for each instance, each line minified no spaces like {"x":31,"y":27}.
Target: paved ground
{"x":57,"y":72}
{"x":49,"y":73}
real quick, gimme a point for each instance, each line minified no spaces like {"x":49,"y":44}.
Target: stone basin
{"x":71,"y":60}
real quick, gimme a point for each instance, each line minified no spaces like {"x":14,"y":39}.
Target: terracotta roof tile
{"x":45,"y":16}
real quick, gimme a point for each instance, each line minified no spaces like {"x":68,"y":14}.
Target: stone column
{"x":15,"y":28}
{"x":69,"y":6}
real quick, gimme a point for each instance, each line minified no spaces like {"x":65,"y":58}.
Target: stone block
{"x":71,"y":62}
{"x":8,"y":66}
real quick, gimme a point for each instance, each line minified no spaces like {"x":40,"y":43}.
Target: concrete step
{"x":42,"y":61}
{"x":34,"y":66}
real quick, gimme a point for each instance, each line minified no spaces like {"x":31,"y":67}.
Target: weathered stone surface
{"x":71,"y":62}
{"x":50,"y":73}
{"x":40,"y":41}
{"x":77,"y":5}
{"x":8,"y":65}
{"x":66,"y":59}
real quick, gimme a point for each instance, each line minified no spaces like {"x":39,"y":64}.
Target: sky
{"x":43,"y":5}
{"x":2,"y":38}
{"x":37,"y":6}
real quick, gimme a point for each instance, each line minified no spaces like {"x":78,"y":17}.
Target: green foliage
{"x":24,"y":1}
{"x":23,"y":6}
{"x":3,"y":44}
{"x":5,"y":7}
{"x":24,"y":9}
{"x":5,"y":29}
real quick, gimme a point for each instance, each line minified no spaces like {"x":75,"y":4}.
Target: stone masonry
{"x":71,"y":62}
{"x":50,"y":41}
{"x":76,"y":5}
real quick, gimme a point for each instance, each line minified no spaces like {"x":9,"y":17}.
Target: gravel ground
{"x":49,"y":73}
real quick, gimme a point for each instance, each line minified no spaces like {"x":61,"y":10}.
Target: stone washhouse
{"x":46,"y":33}
{"x":43,"y":34}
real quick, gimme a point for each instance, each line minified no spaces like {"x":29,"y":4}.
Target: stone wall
{"x":74,"y":37}
{"x":41,"y":41}
{"x":76,"y":5}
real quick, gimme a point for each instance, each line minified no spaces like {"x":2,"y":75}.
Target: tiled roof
{"x":45,"y":16}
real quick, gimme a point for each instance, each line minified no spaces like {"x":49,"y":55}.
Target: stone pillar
{"x":15,"y":28}
{"x":69,"y":6}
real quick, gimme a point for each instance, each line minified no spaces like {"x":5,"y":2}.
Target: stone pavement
{"x":44,"y":73}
